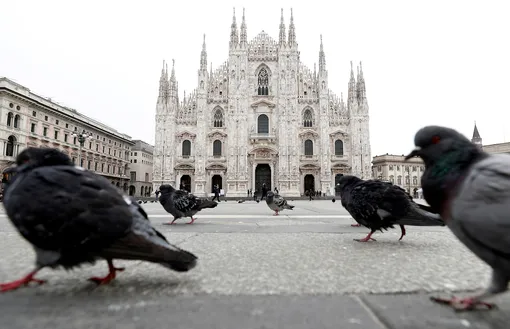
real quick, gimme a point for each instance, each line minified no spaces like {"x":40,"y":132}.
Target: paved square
{"x":301,"y":269}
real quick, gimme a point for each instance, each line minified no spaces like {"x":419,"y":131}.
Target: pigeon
{"x":73,"y":216}
{"x":379,"y":205}
{"x":471,"y":191}
{"x":277,"y":203}
{"x":180,"y":203}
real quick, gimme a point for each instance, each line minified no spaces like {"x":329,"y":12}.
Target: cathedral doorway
{"x":216,"y":180}
{"x":186,"y":182}
{"x":262,"y":176}
{"x":337,"y":184}
{"x":132,"y":190}
{"x":309,"y":182}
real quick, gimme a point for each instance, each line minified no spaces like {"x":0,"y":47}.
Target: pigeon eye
{"x":436,"y":139}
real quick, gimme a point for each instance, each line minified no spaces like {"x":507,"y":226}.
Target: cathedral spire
{"x":173,"y":89}
{"x":477,"y":139}
{"x":352,"y":87}
{"x":234,"y":38}
{"x":292,"y":31}
{"x":244,"y":34}
{"x":211,"y":73}
{"x":203,"y":57}
{"x":282,"y":31}
{"x":322,"y":59}
{"x":163,"y":84}
{"x":361,"y":84}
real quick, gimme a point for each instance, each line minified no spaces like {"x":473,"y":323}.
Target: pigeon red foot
{"x":170,"y":223}
{"x":24,"y":281}
{"x":275,"y":213}
{"x":110,"y":276}
{"x":355,"y":225}
{"x":463,"y":304}
{"x":192,"y":220}
{"x":367,"y":238}
{"x":403,"y":229}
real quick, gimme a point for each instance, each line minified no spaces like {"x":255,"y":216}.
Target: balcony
{"x":260,"y":137}
{"x":338,"y":157}
{"x":309,"y":158}
{"x":185,"y":159}
{"x":217,"y":158}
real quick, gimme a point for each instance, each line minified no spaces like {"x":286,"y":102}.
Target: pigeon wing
{"x":279,"y":201}
{"x":481,"y":208}
{"x":184,"y":201}
{"x":66,"y":207}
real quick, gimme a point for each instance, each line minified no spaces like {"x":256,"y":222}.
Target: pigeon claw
{"x":170,"y":223}
{"x":109,"y":277}
{"x":463,"y":304}
{"x":21,"y":282}
{"x":367,"y":238}
{"x":192,"y":220}
{"x":275,"y":213}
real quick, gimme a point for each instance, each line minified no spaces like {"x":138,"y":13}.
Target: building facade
{"x":140,"y":169}
{"x":262,"y":117}
{"x":394,"y":169}
{"x":29,"y":120}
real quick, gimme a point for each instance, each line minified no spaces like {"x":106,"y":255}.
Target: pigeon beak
{"x":415,"y":152}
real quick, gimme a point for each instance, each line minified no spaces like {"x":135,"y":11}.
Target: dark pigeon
{"x":180,"y":203}
{"x":277,"y":203}
{"x":379,"y":205}
{"x":73,"y":216}
{"x":471,"y":191}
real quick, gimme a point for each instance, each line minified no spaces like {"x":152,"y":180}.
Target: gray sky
{"x":434,"y":62}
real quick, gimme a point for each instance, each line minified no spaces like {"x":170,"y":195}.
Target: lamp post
{"x":82,"y":137}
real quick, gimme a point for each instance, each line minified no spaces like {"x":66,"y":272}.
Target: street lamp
{"x":82,"y":137}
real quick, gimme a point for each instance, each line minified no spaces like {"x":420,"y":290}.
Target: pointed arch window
{"x":218,"y":118}
{"x":339,"y":148}
{"x":11,"y":143}
{"x":10,"y":119}
{"x":308,"y":148}
{"x":308,"y":118}
{"x":217,"y":148}
{"x":263,"y":80}
{"x":263,"y":124}
{"x":186,"y":149}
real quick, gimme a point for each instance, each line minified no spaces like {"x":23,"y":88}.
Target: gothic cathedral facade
{"x":262,"y":117}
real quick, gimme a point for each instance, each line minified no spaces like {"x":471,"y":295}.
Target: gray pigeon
{"x":277,"y":203}
{"x":181,"y":203}
{"x":380,"y":205}
{"x":73,"y":216}
{"x":471,"y":191}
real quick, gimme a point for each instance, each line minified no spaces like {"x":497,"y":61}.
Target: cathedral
{"x":262,"y":117}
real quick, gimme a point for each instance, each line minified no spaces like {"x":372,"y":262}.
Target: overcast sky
{"x":435,"y":62}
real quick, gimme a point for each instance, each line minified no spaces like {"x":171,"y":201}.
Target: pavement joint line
{"x":370,"y":312}
{"x":229,"y":216}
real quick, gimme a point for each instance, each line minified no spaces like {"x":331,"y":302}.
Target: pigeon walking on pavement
{"x":181,"y":203}
{"x":73,"y":216}
{"x":277,"y":203}
{"x":471,"y":191}
{"x":379,"y":205}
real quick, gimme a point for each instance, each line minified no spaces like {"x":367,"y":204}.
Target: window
{"x":308,"y":148}
{"x":89,"y":165}
{"x":66,"y":136}
{"x":307,"y":118}
{"x":415,"y":180}
{"x":74,"y":140}
{"x":218,"y":119}
{"x":132,"y":176}
{"x":102,"y":167}
{"x":45,"y":131}
{"x":390,"y":167}
{"x":339,"y":148}
{"x":34,"y":113}
{"x":392,"y":179}
{"x":32,"y":128}
{"x":407,"y":179}
{"x":67,"y":125}
{"x":56,"y":122}
{"x":81,"y":162}
{"x":263,"y":80}
{"x":45,"y":118}
{"x":10,"y":119}
{"x":186,"y":148}
{"x":399,"y":180}
{"x":95,"y":166}
{"x":55,"y":134}
{"x":146,"y":177}
{"x":17,"y":119}
{"x":11,"y":142}
{"x":263,"y":124}
{"x":217,"y":148}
